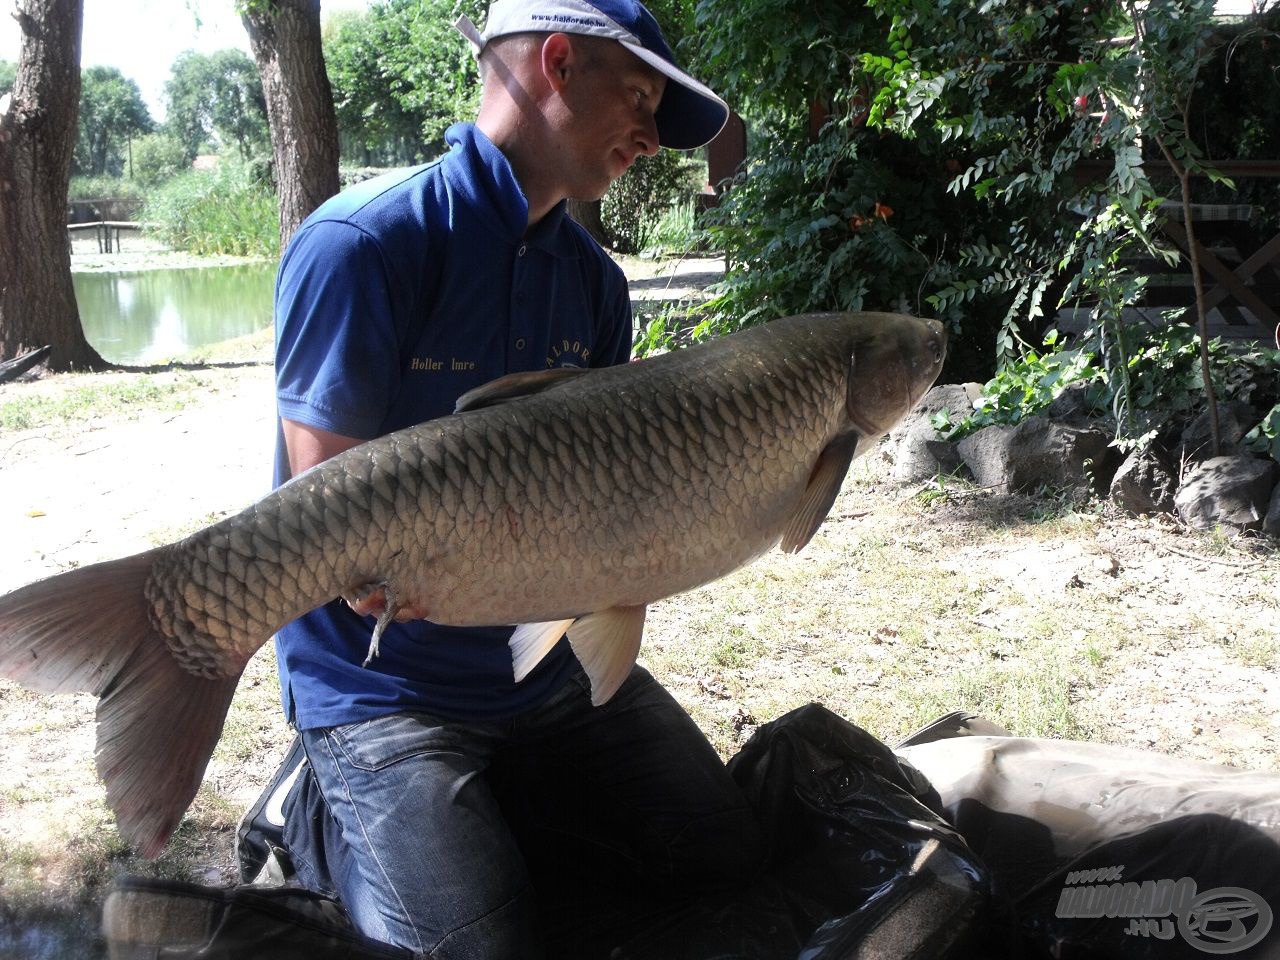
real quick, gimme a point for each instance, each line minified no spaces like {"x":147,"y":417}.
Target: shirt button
{"x":520,"y":343}
{"x":524,"y":248}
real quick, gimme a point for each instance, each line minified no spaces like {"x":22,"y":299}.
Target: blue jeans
{"x":429,"y":860}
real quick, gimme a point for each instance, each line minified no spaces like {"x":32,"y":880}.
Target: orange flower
{"x":857,"y":222}
{"x":883,"y":211}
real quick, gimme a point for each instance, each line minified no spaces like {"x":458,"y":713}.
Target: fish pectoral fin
{"x":607,"y":644}
{"x":824,"y":485}
{"x":513,"y":386}
{"x":533,"y":641}
{"x":389,"y":610}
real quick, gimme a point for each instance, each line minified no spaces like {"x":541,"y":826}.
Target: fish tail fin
{"x":88,"y":630}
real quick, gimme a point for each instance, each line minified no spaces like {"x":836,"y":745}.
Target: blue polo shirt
{"x":394,"y":298}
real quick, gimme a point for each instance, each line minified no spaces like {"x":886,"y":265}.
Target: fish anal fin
{"x":607,"y":643}
{"x":533,"y":641}
{"x":824,"y":485}
{"x":513,"y":386}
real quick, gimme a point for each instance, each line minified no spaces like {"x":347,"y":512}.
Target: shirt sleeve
{"x":337,"y":350}
{"x":614,"y":338}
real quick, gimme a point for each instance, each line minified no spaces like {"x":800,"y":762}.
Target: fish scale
{"x":554,"y":501}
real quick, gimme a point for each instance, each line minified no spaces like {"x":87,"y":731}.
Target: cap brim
{"x":690,"y":114}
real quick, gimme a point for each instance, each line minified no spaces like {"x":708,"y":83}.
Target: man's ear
{"x":558,"y":59}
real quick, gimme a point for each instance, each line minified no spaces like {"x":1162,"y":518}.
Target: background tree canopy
{"x":217,"y":97}
{"x":111,"y":112}
{"x":401,"y":75}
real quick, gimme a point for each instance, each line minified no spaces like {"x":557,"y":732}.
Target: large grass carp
{"x":559,"y":501}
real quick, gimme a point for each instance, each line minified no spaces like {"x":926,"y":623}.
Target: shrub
{"x":96,"y":188}
{"x":641,"y":196}
{"x":678,"y":231}
{"x":158,"y":157}
{"x":1163,"y":365}
{"x":224,"y":211}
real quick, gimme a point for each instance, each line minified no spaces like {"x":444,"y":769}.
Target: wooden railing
{"x":107,"y":232}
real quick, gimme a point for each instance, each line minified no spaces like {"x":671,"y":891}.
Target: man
{"x":393,"y":299}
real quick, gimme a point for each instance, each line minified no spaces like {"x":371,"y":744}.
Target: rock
{"x":1233,"y":491}
{"x":1038,"y":452}
{"x":1234,"y":421}
{"x":1145,"y":483}
{"x":920,"y":454}
{"x":1073,"y":404}
{"x":956,"y":397}
{"x":1271,"y":523}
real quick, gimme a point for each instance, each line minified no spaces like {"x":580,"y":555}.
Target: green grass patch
{"x":129,"y":396}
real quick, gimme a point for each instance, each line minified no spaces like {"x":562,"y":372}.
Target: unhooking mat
{"x":955,"y":846}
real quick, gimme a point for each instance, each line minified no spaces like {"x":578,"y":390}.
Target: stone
{"x":1145,"y":483}
{"x":920,"y":454}
{"x":955,"y":397}
{"x":1038,"y":452}
{"x":1073,"y":404}
{"x":1271,"y":522}
{"x":1234,"y":421}
{"x":1232,"y":491}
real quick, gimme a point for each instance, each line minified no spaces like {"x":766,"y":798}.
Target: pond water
{"x":151,"y":315}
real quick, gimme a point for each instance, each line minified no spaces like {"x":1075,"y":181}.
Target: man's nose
{"x":647,"y":138}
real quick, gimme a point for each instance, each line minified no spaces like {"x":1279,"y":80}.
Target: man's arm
{"x":307,"y":445}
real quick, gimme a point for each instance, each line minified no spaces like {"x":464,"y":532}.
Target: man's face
{"x":609,"y":119}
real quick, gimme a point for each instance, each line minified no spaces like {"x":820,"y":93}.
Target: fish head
{"x":894,"y":360}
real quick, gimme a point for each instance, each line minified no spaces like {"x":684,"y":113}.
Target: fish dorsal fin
{"x":533,"y":641}
{"x":607,"y":644}
{"x":514,"y":386}
{"x":824,"y":484}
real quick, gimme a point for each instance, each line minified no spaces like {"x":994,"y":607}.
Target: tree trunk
{"x":285,"y":37}
{"x":587,"y":213}
{"x":37,"y":140}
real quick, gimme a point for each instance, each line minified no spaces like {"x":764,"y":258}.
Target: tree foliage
{"x":158,"y":157}
{"x":217,"y":97}
{"x":401,"y":75}
{"x":111,"y":112}
{"x":8,"y":71}
{"x":930,"y":157}
{"x":1117,"y":91}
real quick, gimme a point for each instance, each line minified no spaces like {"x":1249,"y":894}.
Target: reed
{"x":229,"y":210}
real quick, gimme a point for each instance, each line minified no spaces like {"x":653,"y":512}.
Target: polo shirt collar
{"x":487,"y":180}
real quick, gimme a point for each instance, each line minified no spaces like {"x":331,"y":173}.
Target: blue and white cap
{"x":688,"y":116}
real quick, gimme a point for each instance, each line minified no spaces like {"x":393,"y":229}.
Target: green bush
{"x":95,"y":188}
{"x":158,"y":157}
{"x":981,"y":163}
{"x":224,"y":211}
{"x":641,"y":196}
